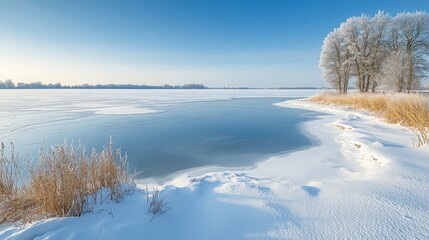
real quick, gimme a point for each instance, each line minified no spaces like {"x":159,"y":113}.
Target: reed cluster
{"x":65,"y":181}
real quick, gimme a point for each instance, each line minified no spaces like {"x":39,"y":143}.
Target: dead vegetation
{"x":157,"y":203}
{"x":9,"y":171}
{"x":65,"y":181}
{"x":410,"y":110}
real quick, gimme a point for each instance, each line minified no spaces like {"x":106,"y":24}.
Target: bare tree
{"x":395,"y":65}
{"x":379,"y":30}
{"x":355,"y":32}
{"x":393,"y":71}
{"x":9,"y":83}
{"x":380,"y":52}
{"x":335,"y":61}
{"x":364,"y":38}
{"x":413,"y":37}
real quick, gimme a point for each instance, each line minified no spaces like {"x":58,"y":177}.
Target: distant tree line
{"x":380,"y":53}
{"x":9,"y":84}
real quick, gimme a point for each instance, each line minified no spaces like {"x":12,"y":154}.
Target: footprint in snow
{"x":313,"y":191}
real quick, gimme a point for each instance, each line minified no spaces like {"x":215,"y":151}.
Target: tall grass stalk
{"x":10,"y":173}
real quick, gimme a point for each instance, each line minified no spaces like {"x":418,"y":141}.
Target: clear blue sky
{"x":232,"y":43}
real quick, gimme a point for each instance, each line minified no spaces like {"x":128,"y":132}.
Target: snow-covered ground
{"x":365,"y":180}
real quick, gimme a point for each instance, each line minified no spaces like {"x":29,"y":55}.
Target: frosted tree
{"x":379,"y":52}
{"x":413,"y":37}
{"x":364,"y":38}
{"x":355,"y":32}
{"x":335,"y":61}
{"x":393,"y":71}
{"x":394,"y":67}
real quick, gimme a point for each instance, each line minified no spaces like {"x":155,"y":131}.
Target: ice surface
{"x":24,"y":108}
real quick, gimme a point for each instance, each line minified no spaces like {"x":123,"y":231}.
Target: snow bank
{"x":364,"y":180}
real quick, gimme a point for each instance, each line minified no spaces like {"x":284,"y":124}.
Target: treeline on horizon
{"x":383,"y":52}
{"x":9,"y":84}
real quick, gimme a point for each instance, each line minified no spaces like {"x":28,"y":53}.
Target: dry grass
{"x":157,"y":203}
{"x":410,"y":110}
{"x":9,"y":171}
{"x":64,"y":182}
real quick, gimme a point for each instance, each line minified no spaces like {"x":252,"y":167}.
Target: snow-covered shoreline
{"x":365,"y":180}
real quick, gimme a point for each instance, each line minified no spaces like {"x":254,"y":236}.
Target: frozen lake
{"x":162,"y":131}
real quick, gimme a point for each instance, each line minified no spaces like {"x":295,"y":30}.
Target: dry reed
{"x":410,"y":110}
{"x":9,"y":170}
{"x":157,"y":203}
{"x":64,"y":182}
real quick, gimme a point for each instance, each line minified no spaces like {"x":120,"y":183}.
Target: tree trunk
{"x":410,"y":79}
{"x":361,"y":83}
{"x":346,"y":85}
{"x":360,"y":80}
{"x":367,"y":83}
{"x":400,"y":84}
{"x":374,"y":85}
{"x":339,"y":84}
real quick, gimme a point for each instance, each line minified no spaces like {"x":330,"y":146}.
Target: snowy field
{"x":365,"y":180}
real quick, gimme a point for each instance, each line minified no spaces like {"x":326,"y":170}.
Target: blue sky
{"x":231,"y":43}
